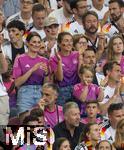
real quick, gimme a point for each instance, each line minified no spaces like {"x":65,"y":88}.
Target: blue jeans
{"x":27,"y":97}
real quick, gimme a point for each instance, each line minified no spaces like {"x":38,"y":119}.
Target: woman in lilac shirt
{"x":64,"y":66}
{"x":30,"y":71}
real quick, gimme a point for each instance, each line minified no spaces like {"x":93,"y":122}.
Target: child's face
{"x":92,"y":110}
{"x":87,"y":77}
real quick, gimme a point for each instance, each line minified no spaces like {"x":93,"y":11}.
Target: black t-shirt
{"x":16,"y":51}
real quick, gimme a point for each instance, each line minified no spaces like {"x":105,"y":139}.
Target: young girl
{"x":86,"y":90}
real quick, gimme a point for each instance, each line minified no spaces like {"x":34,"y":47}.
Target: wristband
{"x":1,"y":52}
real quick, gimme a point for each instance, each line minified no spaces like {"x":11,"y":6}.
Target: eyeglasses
{"x":26,"y":2}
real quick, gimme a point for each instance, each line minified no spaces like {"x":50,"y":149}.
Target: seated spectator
{"x":61,"y":144}
{"x":109,"y":126}
{"x":53,"y":113}
{"x":89,"y":137}
{"x":71,"y":127}
{"x":92,"y":111}
{"x":104,"y":144}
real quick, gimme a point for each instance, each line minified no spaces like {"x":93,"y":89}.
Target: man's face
{"x":116,"y":116}
{"x":94,"y":133}
{"x":72,"y":117}
{"x":26,"y":5}
{"x":89,"y":58}
{"x":49,"y":95}
{"x":115,"y":11}
{"x":15,"y":35}
{"x":91,"y":24}
{"x":81,"y":8}
{"x":115,"y":73}
{"x":51,"y":31}
{"x":38,"y":19}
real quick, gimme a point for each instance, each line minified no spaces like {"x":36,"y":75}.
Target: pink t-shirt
{"x":93,"y":91}
{"x":86,"y":120}
{"x":69,"y":66}
{"x":24,"y":63}
{"x":51,"y":118}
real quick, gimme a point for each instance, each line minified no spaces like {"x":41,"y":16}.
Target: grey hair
{"x":69,"y":105}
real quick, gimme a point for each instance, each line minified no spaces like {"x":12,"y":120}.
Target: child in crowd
{"x":86,"y":90}
{"x":92,"y":111}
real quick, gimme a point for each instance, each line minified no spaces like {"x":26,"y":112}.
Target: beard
{"x":91,"y":30}
{"x":115,"y":18}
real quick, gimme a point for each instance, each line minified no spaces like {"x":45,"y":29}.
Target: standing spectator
{"x":115,"y":50}
{"x":10,"y":7}
{"x":86,"y":90}
{"x":30,"y":72}
{"x":4,"y":99}
{"x":96,"y":39}
{"x":100,"y":8}
{"x":71,"y":127}
{"x":115,"y":21}
{"x":38,"y":16}
{"x":24,"y":14}
{"x":51,"y":28}
{"x":63,"y":14}
{"x":112,"y":72}
{"x":65,"y":67}
{"x":16,"y":45}
{"x":79,"y":7}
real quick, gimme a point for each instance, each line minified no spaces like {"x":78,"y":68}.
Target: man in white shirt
{"x":63,"y":14}
{"x":38,"y":16}
{"x":112,"y":72}
{"x":4,"y":99}
{"x":115,"y":114}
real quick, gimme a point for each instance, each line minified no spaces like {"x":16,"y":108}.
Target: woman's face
{"x":104,"y":146}
{"x":65,"y":146}
{"x":118,"y":45}
{"x":34,"y":44}
{"x":66,"y":43}
{"x":81,"y":44}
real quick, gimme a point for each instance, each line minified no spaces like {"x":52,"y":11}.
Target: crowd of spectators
{"x":62,"y":67}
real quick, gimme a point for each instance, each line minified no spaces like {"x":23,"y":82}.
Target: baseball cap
{"x":48,"y":21}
